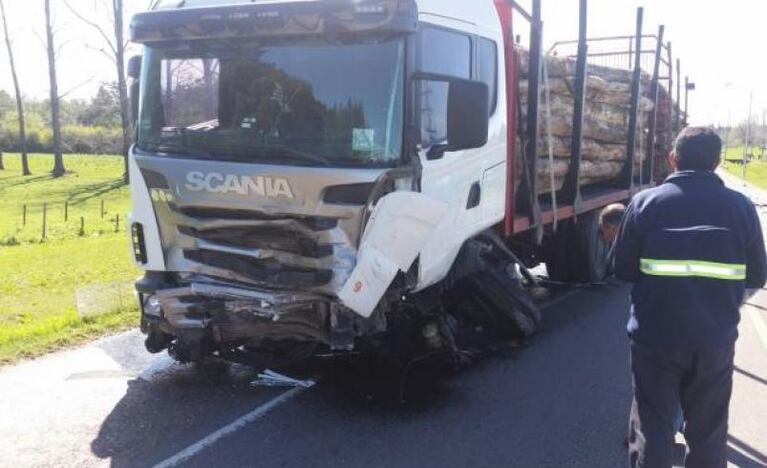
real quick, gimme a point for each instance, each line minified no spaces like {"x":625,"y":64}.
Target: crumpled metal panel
{"x":269,"y":243}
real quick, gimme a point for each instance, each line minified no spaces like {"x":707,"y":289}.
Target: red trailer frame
{"x":518,"y":220}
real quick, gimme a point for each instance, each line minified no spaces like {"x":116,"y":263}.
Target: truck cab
{"x":300,"y":167}
{"x":313,"y":174}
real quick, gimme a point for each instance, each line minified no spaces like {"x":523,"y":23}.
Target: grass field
{"x":756,"y":170}
{"x":39,"y":279}
{"x":90,"y":181}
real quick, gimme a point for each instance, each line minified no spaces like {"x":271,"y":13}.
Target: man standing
{"x":691,"y":247}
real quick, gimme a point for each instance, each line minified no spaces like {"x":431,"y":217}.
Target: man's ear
{"x":672,"y":161}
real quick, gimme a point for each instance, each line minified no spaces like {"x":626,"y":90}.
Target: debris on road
{"x":269,"y":378}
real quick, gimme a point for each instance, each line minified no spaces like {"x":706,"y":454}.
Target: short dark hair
{"x":612,"y":215}
{"x":697,"y":149}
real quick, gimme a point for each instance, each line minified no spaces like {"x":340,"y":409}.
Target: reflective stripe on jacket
{"x":690,"y":246}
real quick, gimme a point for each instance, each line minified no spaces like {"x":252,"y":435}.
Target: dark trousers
{"x":702,"y":383}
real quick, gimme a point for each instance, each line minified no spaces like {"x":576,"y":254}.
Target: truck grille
{"x":285,"y":251}
{"x":305,"y":243}
{"x":264,"y":237}
{"x":262,"y":271}
{"x":205,"y":213}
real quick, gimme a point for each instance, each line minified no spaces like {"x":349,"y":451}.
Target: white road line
{"x":234,"y":426}
{"x":761,"y":327}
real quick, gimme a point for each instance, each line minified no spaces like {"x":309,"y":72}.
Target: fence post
{"x":82,"y":226}
{"x":24,"y":215}
{"x":102,"y":209}
{"x":117,"y":223}
{"x":45,"y":218}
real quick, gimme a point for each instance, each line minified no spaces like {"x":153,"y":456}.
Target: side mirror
{"x":454,"y":113}
{"x":134,"y":91}
{"x":134,"y":67}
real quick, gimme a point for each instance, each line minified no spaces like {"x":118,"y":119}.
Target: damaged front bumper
{"x":198,"y":317}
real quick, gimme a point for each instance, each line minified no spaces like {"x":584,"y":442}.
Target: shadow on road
{"x":158,"y":417}
{"x":562,"y":401}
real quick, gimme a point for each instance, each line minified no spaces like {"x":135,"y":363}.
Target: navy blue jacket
{"x":691,"y":246}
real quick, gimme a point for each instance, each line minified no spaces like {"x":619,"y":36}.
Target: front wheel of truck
{"x":515,"y":314}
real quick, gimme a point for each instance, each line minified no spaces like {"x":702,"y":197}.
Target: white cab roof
{"x":478,"y":12}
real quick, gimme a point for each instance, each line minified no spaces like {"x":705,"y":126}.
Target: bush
{"x":75,"y":139}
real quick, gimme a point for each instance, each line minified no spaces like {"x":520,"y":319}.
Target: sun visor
{"x":275,"y":19}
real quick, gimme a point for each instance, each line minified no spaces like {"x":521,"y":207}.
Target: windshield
{"x":299,"y":104}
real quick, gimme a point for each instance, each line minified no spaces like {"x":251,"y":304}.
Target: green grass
{"x":90,"y":180}
{"x":756,"y":170}
{"x":39,"y":279}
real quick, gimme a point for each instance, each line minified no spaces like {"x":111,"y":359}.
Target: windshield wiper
{"x":283,"y":150}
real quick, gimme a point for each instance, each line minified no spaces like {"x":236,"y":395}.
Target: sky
{"x":719,"y":43}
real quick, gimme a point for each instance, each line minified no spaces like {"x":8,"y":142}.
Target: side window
{"x":487,"y":63}
{"x":441,"y":52}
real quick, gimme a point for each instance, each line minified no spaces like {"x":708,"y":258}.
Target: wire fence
{"x":43,"y":221}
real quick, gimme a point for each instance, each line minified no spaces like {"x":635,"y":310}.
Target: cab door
{"x":471,"y":183}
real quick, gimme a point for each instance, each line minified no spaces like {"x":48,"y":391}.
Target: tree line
{"x":87,"y":126}
{"x":112,"y":98}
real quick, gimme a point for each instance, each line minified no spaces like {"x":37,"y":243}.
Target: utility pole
{"x":764,"y":133}
{"x":729,"y":134}
{"x":688,"y":86}
{"x":748,"y":133}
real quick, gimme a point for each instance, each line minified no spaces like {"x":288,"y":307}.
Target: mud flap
{"x":399,"y":228}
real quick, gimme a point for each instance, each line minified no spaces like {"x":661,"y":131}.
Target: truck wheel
{"x":593,"y":251}
{"x":560,"y":253}
{"x":578,"y":253}
{"x":515,"y":314}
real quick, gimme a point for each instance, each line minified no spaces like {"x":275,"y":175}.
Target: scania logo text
{"x":214,"y":182}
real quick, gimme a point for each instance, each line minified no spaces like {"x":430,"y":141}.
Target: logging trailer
{"x":327,"y":176}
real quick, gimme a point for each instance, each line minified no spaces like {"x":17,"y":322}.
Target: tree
{"x":104,"y":108}
{"x":116,"y":46}
{"x":58,"y":157}
{"x":19,"y":103}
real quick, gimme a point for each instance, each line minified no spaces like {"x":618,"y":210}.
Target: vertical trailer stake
{"x":572,"y":188}
{"x":533,"y":117}
{"x":649,"y":163}
{"x":671,"y":71}
{"x":628,"y":168}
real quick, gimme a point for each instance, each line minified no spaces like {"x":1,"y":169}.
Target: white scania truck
{"x":321,"y":176}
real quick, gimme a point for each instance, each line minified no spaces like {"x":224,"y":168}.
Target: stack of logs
{"x":605,"y":127}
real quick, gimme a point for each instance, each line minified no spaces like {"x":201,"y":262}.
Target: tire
{"x":514,"y":313}
{"x":593,"y":262}
{"x":578,"y":253}
{"x":560,"y":253}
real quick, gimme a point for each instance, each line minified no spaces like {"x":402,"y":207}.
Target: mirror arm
{"x":437,"y":151}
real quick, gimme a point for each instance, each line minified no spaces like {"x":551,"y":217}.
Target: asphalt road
{"x":561,"y":401}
